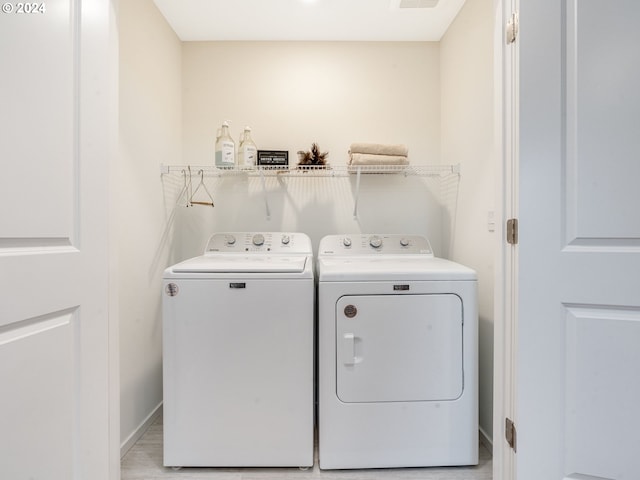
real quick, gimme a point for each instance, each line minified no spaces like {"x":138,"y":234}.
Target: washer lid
{"x":213,"y":263}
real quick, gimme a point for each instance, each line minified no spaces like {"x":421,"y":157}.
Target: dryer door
{"x":392,"y":348}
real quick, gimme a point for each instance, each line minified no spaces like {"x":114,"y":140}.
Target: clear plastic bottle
{"x":225,"y":148}
{"x":248,"y":152}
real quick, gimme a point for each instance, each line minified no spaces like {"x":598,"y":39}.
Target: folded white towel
{"x":368,"y":159}
{"x":379,"y":149}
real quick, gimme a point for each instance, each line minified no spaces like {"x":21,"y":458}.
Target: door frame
{"x":108,"y":39}
{"x":113,"y":92}
{"x":100,"y":70}
{"x":506,"y":114}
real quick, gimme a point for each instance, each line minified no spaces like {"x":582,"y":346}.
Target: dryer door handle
{"x":348,"y":349}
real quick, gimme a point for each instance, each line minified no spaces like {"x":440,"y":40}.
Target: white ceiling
{"x":318,"y":20}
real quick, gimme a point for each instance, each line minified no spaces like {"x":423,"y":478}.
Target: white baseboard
{"x":486,"y":441}
{"x":138,"y":432}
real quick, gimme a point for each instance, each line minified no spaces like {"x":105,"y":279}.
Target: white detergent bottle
{"x":248,"y":151}
{"x":225,"y":148}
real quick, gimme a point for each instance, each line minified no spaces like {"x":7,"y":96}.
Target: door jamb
{"x":506,"y":274}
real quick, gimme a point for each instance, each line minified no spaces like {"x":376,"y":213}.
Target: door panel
{"x":579,"y":253}
{"x":602,"y":388}
{"x":602,"y":105}
{"x":56,"y":93}
{"x":37,"y":128}
{"x":34,"y":391}
{"x":392,"y":348}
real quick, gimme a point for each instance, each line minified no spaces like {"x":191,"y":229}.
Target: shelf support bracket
{"x":266,"y":195}
{"x":357,"y":193}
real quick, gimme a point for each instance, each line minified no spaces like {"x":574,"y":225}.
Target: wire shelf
{"x":193,"y":177}
{"x":314,"y":171}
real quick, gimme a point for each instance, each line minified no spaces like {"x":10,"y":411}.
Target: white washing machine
{"x":238,"y":326}
{"x":398,"y":361}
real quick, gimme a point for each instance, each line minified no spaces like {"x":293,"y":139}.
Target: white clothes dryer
{"x":238,"y":326}
{"x":398,"y":361}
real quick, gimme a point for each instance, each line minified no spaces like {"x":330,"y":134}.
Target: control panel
{"x":259,"y":242}
{"x":367,"y":244}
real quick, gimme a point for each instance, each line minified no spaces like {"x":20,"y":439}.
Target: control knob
{"x":230,"y":239}
{"x":375,"y":241}
{"x":258,"y":239}
{"x":404,"y":242}
{"x":346,"y":242}
{"x":286,"y":239}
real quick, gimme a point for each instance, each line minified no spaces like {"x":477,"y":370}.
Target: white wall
{"x":467,"y":134}
{"x":150,"y":133}
{"x":296,"y":93}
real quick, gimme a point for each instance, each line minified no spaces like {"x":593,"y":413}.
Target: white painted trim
{"x":499,"y":270}
{"x":512,"y":162}
{"x":504,"y":108}
{"x":504,"y":459}
{"x":578,"y":476}
{"x":140,"y":431}
{"x":114,"y":321}
{"x":485,"y":440}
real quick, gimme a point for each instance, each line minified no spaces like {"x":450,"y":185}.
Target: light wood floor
{"x":144,"y":462}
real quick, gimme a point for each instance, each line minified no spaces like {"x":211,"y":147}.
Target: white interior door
{"x":55,"y":97}
{"x":578,"y":331}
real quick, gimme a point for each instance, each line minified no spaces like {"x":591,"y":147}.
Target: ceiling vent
{"x":416,"y":3}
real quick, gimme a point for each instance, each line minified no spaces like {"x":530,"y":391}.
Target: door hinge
{"x":512,"y":231}
{"x":512,"y":28}
{"x":510,"y":433}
